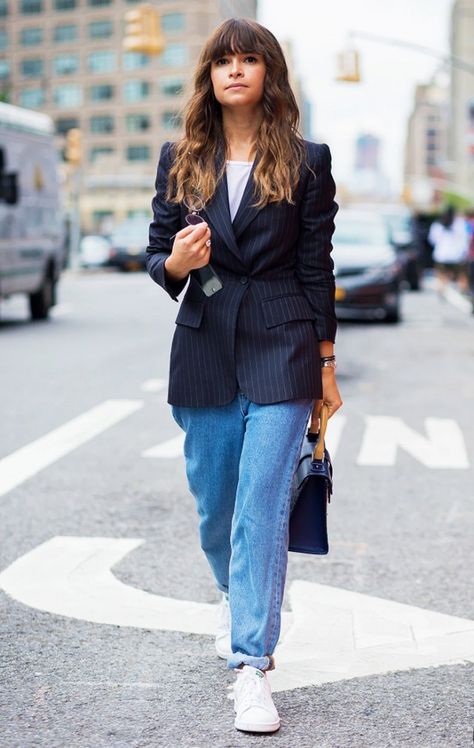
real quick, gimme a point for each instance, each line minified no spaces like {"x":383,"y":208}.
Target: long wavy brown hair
{"x":279,"y":146}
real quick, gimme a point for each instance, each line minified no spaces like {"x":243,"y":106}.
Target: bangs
{"x":237,"y":37}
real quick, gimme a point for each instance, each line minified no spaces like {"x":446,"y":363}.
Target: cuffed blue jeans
{"x":240,"y":462}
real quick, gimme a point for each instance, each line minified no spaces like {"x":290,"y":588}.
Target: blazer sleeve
{"x":315,"y":267}
{"x":165,"y":223}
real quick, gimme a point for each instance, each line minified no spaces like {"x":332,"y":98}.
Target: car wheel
{"x":392,"y":313}
{"x":41,"y":301}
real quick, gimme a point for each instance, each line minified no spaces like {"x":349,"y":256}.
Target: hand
{"x":191,"y":250}
{"x":331,"y":397}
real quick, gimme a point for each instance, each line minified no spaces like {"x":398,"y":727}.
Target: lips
{"x":237,"y":85}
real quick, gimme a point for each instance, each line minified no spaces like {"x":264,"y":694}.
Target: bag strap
{"x":318,"y":452}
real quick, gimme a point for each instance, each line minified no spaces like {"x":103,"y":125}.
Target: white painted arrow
{"x":332,"y":634}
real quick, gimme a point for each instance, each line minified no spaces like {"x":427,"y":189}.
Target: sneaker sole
{"x":249,"y":727}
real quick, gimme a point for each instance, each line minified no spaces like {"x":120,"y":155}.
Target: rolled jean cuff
{"x":262,"y":663}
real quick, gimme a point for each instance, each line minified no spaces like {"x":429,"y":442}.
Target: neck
{"x":240,"y":130}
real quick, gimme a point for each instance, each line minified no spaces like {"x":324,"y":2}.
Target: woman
{"x":247,"y":361}
{"x":449,"y":238}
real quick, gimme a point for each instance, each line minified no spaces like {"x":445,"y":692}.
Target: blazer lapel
{"x":219,"y":215}
{"x":246,"y":212}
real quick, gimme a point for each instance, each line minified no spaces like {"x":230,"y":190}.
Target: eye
{"x":221,"y":61}
{"x":251,"y":58}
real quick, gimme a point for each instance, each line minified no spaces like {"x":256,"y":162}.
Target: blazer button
{"x":244,"y":280}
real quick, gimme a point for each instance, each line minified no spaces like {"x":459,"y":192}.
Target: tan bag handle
{"x":318,"y":452}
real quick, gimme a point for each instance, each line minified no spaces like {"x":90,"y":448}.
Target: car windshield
{"x":359,"y":230}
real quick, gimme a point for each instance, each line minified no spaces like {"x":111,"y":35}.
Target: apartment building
{"x":462,"y":98}
{"x":426,"y":150}
{"x":65,"y":58}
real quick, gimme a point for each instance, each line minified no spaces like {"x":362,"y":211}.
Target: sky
{"x":382,"y":102}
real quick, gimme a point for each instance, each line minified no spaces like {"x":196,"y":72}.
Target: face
{"x":238,"y":80}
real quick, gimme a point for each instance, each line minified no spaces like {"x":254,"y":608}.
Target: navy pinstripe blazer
{"x":260,"y":332}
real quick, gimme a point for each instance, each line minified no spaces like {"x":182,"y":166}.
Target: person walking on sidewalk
{"x":250,"y":361}
{"x":449,"y":238}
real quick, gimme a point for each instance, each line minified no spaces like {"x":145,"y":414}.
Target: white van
{"x":32,"y":229}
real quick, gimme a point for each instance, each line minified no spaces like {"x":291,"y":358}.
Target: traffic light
{"x":73,"y":152}
{"x":348,"y":66}
{"x":142,"y":31}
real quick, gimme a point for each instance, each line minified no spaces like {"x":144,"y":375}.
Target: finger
{"x":182,"y":233}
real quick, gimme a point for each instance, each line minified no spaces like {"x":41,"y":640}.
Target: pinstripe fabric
{"x":260,"y":333}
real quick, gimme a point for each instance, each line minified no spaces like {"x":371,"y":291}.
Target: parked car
{"x":403,"y":236}
{"x":32,"y":226}
{"x":95,"y":251}
{"x":129,"y":241}
{"x":367,"y":268}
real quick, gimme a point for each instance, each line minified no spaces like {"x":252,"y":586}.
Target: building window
{"x":66,"y":64}
{"x":3,"y":39}
{"x":63,"y":124}
{"x":102,"y":62}
{"x":65,"y":33}
{"x":136,"y":90}
{"x":102,"y":123}
{"x":172,"y":22}
{"x":102,"y":92}
{"x":30,"y":37}
{"x":137,"y":122}
{"x":65,"y":4}
{"x":99,"y":150}
{"x":32,"y":68}
{"x":135,"y":60}
{"x":4,"y":69}
{"x":31,"y":98}
{"x":171,"y":120}
{"x":101,"y":29}
{"x":3,"y":8}
{"x":172,"y":86}
{"x":138,"y":153}
{"x":67,"y":95}
{"x":98,"y":3}
{"x":174,"y":55}
{"x":29,"y":7}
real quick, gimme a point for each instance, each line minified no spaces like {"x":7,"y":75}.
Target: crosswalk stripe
{"x":30,"y":459}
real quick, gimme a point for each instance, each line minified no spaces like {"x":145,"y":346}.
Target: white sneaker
{"x":253,"y":703}
{"x":223,"y":642}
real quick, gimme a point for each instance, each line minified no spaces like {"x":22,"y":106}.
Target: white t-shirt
{"x":450,"y":244}
{"x":237,"y":173}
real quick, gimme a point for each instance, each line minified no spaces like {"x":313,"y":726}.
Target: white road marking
{"x":454,"y":297}
{"x":443,"y":447}
{"x":167,"y":450}
{"x":332,"y":634}
{"x":30,"y":459}
{"x":154,"y":385}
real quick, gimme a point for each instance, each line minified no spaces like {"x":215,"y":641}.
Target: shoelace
{"x":251,"y":690}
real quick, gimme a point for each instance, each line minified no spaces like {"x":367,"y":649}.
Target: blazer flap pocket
{"x":190,"y":313}
{"x":281,"y":309}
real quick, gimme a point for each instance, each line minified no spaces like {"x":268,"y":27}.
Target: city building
{"x":367,"y":181}
{"x":65,"y":58}
{"x":426,"y":172}
{"x":461,"y":143}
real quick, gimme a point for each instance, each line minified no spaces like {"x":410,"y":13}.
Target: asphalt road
{"x":89,"y":453}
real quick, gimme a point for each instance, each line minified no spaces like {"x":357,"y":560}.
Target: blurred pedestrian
{"x":470,"y":252}
{"x":250,"y":362}
{"x":449,"y":238}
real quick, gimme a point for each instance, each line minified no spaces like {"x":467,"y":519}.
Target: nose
{"x":236,"y":68}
